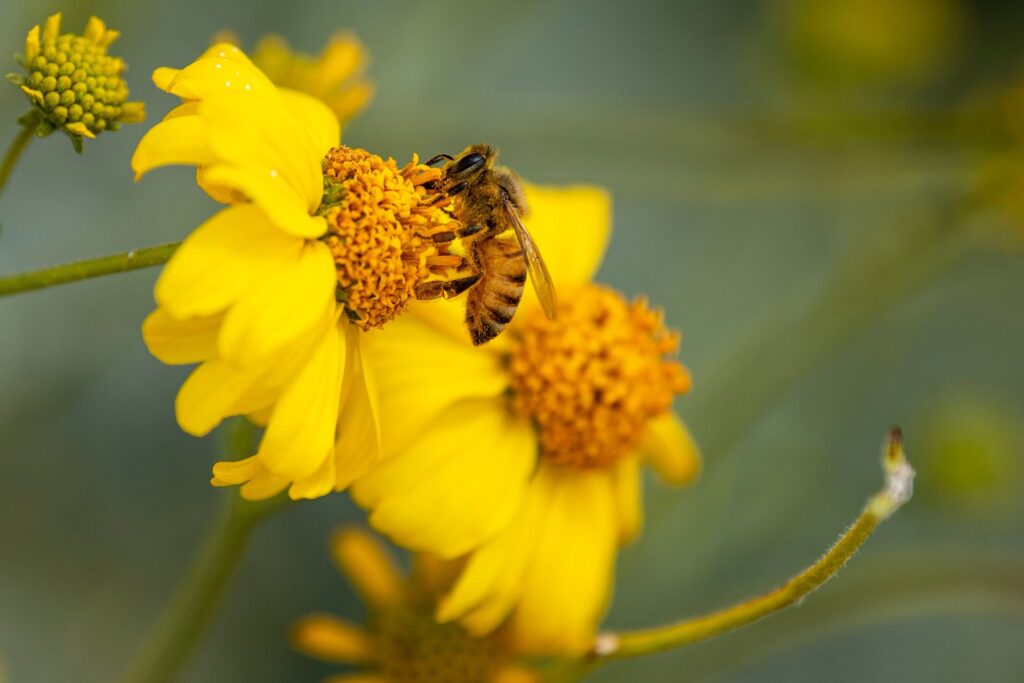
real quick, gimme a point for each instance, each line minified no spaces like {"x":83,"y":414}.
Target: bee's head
{"x":470,"y":163}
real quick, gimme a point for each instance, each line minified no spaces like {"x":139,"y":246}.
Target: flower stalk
{"x":85,"y":269}
{"x":898,"y":487}
{"x":13,"y":153}
{"x":191,"y":610}
{"x":896,"y":491}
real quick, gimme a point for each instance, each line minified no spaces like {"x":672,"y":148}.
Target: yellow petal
{"x":368,"y":566}
{"x":78,"y":128}
{"x":277,"y":198}
{"x":217,"y":75}
{"x":671,"y":450}
{"x":211,"y":393}
{"x":357,"y":447}
{"x":321,"y":121}
{"x":417,"y":387}
{"x":343,"y":56}
{"x":133,"y":112}
{"x":33,"y":95}
{"x":567,"y":584}
{"x":108,"y":37}
{"x":228,"y":50}
{"x":51,"y":29}
{"x":351,"y":100}
{"x":440,"y":495}
{"x":263,"y":486}
{"x":180,"y":342}
{"x":571,"y":226}
{"x":300,"y":433}
{"x":32,"y":44}
{"x":317,"y":484}
{"x":163,"y":77}
{"x":283,"y":305}
{"x":268,"y":138}
{"x":228,"y":255}
{"x":176,"y":140}
{"x":231,"y":473}
{"x":257,"y":483}
{"x":628,"y":485}
{"x":491,"y":583}
{"x":331,"y":639}
{"x":94,"y":29}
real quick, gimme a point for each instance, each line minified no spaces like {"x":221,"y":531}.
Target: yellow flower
{"x":73,"y":84}
{"x":335,"y":76}
{"x":525,"y":453}
{"x":871,"y":42}
{"x":402,"y":643}
{"x":270,"y":294}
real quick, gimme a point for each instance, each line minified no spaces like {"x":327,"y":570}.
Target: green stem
{"x":81,"y":270}
{"x":18,"y":146}
{"x":191,"y":610}
{"x":898,"y":585}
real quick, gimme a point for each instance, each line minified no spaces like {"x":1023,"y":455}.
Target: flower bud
{"x":72,"y":83}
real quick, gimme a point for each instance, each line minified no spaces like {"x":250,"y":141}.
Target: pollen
{"x":592,"y":379}
{"x":380,"y":232}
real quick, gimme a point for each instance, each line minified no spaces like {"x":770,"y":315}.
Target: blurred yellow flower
{"x":869,"y":41}
{"x":525,"y":453}
{"x":970,"y":459}
{"x":73,"y":84}
{"x":335,"y":76}
{"x":401,"y":643}
{"x":270,"y":294}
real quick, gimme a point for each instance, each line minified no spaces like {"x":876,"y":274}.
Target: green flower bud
{"x":72,"y":83}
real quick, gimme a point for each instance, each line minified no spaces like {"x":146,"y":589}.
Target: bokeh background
{"x":757,"y":152}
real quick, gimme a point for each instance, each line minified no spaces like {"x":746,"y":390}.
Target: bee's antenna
{"x":439,"y":157}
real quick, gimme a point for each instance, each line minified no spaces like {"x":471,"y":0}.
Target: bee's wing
{"x":539,"y":275}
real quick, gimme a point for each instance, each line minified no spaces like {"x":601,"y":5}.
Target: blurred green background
{"x":754,"y":149}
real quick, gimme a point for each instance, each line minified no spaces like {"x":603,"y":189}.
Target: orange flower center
{"x":379,"y":232}
{"x":592,"y":379}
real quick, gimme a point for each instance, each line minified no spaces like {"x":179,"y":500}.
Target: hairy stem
{"x":89,"y":268}
{"x":895,"y":492}
{"x":17,"y":146}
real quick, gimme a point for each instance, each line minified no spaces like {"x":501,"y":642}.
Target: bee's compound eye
{"x":468,"y":163}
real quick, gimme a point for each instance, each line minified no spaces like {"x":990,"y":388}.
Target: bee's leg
{"x":456,"y":188}
{"x":469,"y":230}
{"x":455,"y":287}
{"x":425,"y":291}
{"x":443,"y":237}
{"x":445,"y":288}
{"x":433,"y":160}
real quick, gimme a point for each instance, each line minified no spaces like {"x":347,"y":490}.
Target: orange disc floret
{"x":378,"y":231}
{"x":592,"y":379}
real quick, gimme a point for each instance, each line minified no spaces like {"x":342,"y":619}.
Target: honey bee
{"x":489,"y":201}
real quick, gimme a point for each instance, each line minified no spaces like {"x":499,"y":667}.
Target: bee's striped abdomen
{"x":493,"y":301}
